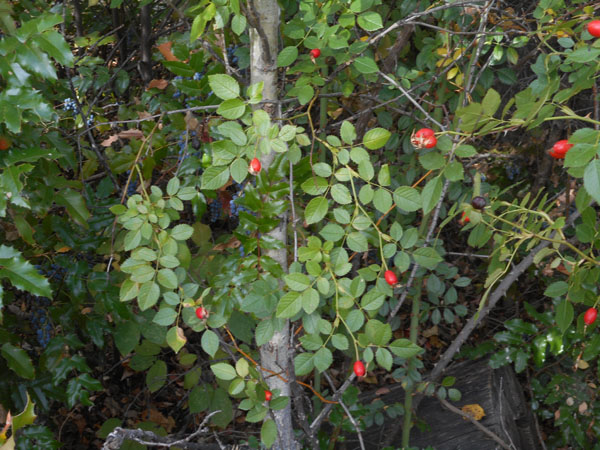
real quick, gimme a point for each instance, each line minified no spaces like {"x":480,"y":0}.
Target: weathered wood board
{"x":498,"y":392}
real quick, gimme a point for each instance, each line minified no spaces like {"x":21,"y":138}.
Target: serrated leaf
{"x":376,"y":138}
{"x":210,"y":342}
{"x":176,"y":338}
{"x":18,"y":360}
{"x":223,"y":371}
{"x":224,"y":86}
{"x":316,"y":210}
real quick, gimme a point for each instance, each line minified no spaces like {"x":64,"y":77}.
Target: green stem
{"x":414,"y":332}
{"x":323,"y":115}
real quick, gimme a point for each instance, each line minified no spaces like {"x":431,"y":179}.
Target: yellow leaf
{"x":474,"y":410}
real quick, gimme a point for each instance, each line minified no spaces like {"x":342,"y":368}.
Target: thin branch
{"x":336,"y":396}
{"x":485,"y":430}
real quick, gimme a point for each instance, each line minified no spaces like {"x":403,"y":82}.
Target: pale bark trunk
{"x":264,"y":36}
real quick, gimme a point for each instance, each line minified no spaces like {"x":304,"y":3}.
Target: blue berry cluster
{"x":40,"y":322}
{"x":70,"y":105}
{"x":231,"y":56}
{"x":51,"y":271}
{"x":214,"y":210}
{"x":512,"y":171}
{"x":184,"y":141}
{"x":132,"y":188}
{"x":234,"y":207}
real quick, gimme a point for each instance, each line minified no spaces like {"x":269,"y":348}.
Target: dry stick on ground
{"x":488,"y":432}
{"x":115,"y":439}
{"x":348,"y":413}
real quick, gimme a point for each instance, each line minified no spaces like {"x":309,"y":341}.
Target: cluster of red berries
{"x":424,"y":138}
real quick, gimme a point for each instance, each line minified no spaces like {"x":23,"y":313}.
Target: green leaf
{"x":53,"y":43}
{"x":316,"y":210}
{"x":382,"y":200}
{"x":176,"y":338}
{"x":384,"y":178}
{"x":564,"y":314}
{"x":427,"y":257}
{"x":210,"y":342}
{"x":21,"y":273}
{"x":347,"y":132}
{"x":580,"y":155}
{"x":384,"y":358}
{"x":201,"y":20}
{"x":224,"y":86}
{"x":238,"y":24}
{"x":287,"y":56}
{"x":268,"y":433}
{"x":323,"y":359}
{"x":303,"y":364}
{"x":289,"y":305}
{"x":403,"y":348}
{"x":490,"y":102}
{"x":332,"y":232}
{"x":223,"y":371}
{"x":264,"y":332}
{"x":156,"y":376}
{"x":556,"y":289}
{"x":167,"y":278}
{"x":341,"y":194}
{"x":75,"y":205}
{"x":454,"y":394}
{"x":431,"y":194}
{"x":407,"y":198}
{"x":26,"y":417}
{"x":310,"y":300}
{"x":357,"y":242}
{"x":129,"y":290}
{"x":376,"y":138}
{"x":232,"y":109}
{"x":370,"y":21}
{"x":591,"y":179}
{"x":239,"y":170}
{"x":366,"y":65}
{"x":148,"y":294}
{"x":182,"y":232}
{"x":297,"y":281}
{"x":165,"y":316}
{"x":215,"y":177}
{"x":127,"y":336}
{"x":18,"y":360}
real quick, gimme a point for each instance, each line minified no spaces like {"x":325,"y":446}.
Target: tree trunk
{"x":263,"y":16}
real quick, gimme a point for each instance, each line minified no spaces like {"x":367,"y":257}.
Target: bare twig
{"x":485,"y":430}
{"x":336,"y":396}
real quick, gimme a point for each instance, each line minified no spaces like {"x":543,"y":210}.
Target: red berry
{"x":315,"y":53}
{"x":560,"y":149}
{"x":255,"y":166}
{"x":590,"y":316}
{"x":390,"y":277}
{"x":201,"y":313}
{"x":594,"y":28}
{"x":359,"y":369}
{"x":478,"y":202}
{"x":268,"y":396}
{"x":4,"y":143}
{"x":424,"y":138}
{"x":464,"y":218}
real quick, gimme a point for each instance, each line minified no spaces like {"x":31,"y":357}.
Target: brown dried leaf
{"x":109,"y":141}
{"x":158,"y":84}
{"x":132,"y":133}
{"x":165,"y":50}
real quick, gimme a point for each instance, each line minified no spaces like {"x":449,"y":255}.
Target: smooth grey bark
{"x":263,"y":17}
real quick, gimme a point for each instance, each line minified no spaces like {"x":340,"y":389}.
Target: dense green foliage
{"x":127,"y":205}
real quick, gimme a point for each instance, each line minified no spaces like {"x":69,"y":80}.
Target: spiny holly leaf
{"x":21,"y":273}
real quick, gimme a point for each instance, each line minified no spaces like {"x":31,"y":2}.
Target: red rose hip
{"x":424,"y":138}
{"x":590,"y":316}
{"x":201,"y":313}
{"x":268,"y":396}
{"x":390,"y":278}
{"x":255,"y":166}
{"x":315,"y":53}
{"x":560,"y":149}
{"x":359,"y":369}
{"x":594,"y":28}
